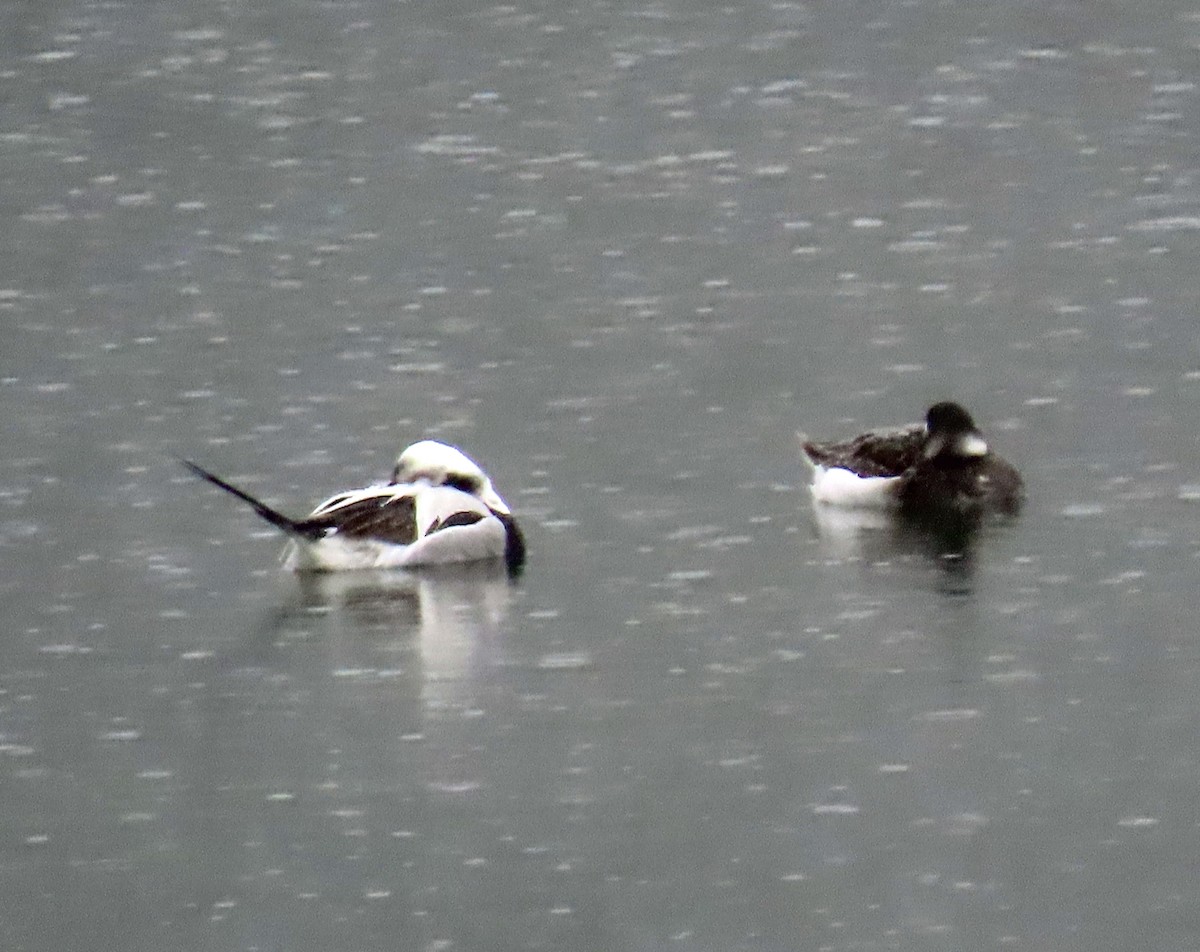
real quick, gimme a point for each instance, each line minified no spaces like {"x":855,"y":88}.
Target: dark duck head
{"x":951,"y":437}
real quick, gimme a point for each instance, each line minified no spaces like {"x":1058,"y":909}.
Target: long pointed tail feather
{"x":808,"y":451}
{"x":293,"y":528}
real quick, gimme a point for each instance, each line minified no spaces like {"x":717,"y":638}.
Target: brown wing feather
{"x":873,"y":454}
{"x":387,"y":518}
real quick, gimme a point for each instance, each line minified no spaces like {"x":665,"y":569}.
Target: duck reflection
{"x":441,"y":625}
{"x":949,"y":541}
{"x":353,"y":698}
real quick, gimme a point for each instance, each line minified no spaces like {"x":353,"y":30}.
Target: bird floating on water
{"x":438,"y":508}
{"x":943,"y":465}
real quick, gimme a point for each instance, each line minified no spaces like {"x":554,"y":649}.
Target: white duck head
{"x":440,"y":464}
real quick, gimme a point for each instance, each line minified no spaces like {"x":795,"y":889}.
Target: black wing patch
{"x":387,"y":518}
{"x":454,"y":519}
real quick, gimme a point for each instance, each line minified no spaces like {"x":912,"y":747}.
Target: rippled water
{"x":621,"y":254}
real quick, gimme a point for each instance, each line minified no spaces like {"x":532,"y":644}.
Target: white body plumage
{"x":439,"y":508}
{"x":432,"y":506}
{"x":835,"y":486}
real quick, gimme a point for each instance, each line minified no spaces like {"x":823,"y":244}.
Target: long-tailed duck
{"x":943,"y":465}
{"x":438,"y":508}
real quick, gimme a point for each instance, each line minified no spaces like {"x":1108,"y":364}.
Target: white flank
{"x":479,"y":541}
{"x":840,"y":487}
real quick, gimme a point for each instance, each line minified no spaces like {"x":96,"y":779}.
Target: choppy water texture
{"x":621,"y":253}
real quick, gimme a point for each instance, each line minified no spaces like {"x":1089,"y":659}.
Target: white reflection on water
{"x":453,"y":616}
{"x":950,"y":545}
{"x":848,"y":533}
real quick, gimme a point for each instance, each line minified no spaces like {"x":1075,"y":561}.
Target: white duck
{"x":439,"y":508}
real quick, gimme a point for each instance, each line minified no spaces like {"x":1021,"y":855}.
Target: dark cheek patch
{"x":462,"y":483}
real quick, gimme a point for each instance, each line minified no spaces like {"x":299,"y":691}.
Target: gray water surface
{"x":620,"y":253}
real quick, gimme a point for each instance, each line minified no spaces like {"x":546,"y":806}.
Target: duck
{"x":943,"y":465}
{"x":438,"y":508}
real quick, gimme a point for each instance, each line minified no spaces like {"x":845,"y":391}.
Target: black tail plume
{"x":278,"y":519}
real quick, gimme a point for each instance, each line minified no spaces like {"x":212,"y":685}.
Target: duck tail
{"x":809,"y":451}
{"x":295,"y":529}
